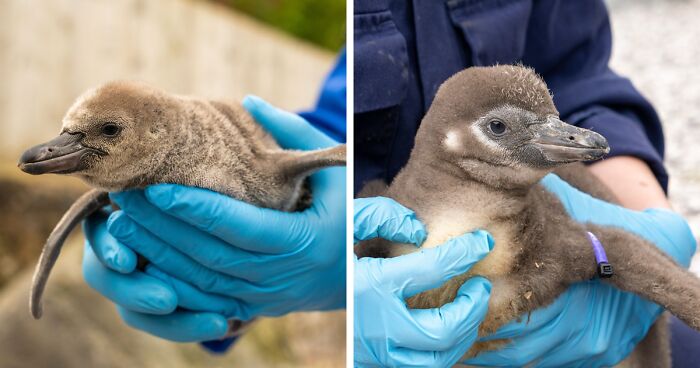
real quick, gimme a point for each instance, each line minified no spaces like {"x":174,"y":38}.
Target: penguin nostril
{"x":571,"y":138}
{"x":50,"y":149}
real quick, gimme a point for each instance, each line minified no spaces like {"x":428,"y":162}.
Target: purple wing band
{"x":598,"y":250}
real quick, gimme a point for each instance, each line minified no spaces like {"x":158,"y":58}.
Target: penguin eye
{"x":497,"y":127}
{"x":110,"y":130}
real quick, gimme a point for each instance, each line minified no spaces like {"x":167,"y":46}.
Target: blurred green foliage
{"x":321,"y":22}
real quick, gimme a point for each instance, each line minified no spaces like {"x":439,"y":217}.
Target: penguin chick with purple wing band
{"x":489,"y":137}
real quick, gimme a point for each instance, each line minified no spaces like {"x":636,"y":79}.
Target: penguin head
{"x":499,"y":125}
{"x":112,"y":134}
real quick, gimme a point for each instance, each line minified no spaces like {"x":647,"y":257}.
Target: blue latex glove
{"x":387,"y":333}
{"x":592,"y":324}
{"x":218,"y":258}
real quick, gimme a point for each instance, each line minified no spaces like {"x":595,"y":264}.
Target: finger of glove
{"x":193,"y":299}
{"x":582,"y":206}
{"x":238,"y":223}
{"x":204,"y":248}
{"x":328,"y":193}
{"x":403,"y":357}
{"x":106,"y":248}
{"x":135,"y":291}
{"x":385,"y":218}
{"x":172,"y":261}
{"x":616,"y":322}
{"x":679,"y":244}
{"x":678,"y":239}
{"x":179,"y":326}
{"x":416,"y":272}
{"x":535,"y":320}
{"x":606,"y":354}
{"x":396,"y":357}
{"x":543,"y":330}
{"x":453,"y":324}
{"x":290,"y":130}
{"x":520,"y":351}
{"x":581,"y":324}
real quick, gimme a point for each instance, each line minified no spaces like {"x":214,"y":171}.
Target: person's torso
{"x":404,"y":50}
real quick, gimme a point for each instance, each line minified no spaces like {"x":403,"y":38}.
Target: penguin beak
{"x":61,"y":155}
{"x":560,"y":142}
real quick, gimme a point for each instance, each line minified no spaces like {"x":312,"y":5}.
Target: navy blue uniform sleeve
{"x":571,"y":49}
{"x":328,"y":116}
{"x":329,"y":113}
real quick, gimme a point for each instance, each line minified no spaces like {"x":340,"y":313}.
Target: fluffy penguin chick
{"x":489,"y":137}
{"x":127,"y":135}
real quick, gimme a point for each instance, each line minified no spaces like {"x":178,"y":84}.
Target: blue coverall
{"x":405,"y":49}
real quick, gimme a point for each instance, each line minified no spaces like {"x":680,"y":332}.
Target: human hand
{"x":218,"y":258}
{"x":387,"y":333}
{"x":592,"y":324}
{"x":143,"y":299}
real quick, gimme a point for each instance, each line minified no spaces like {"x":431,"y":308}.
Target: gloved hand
{"x":216,"y":257}
{"x":387,"y":333}
{"x":592,"y":324}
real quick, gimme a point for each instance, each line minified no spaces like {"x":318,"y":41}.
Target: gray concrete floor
{"x":657,"y":45}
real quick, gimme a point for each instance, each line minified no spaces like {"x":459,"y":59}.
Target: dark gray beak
{"x":61,"y":155}
{"x":560,"y":142}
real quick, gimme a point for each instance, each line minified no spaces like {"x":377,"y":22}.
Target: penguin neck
{"x":445,"y":183}
{"x":451,"y":202}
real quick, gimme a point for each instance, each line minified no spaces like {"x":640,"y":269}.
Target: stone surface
{"x":656,"y":43}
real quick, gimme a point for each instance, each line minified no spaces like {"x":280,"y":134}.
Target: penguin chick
{"x":489,"y":137}
{"x":127,"y":135}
